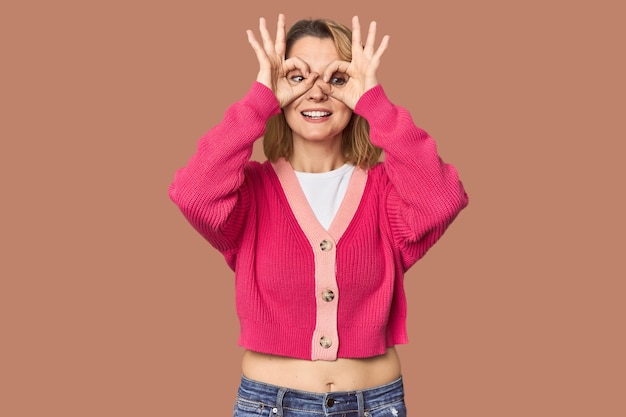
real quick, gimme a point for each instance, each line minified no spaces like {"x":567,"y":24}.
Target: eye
{"x":339,"y":79}
{"x":296,"y":79}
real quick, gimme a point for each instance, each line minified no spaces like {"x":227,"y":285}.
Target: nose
{"x":316,"y":93}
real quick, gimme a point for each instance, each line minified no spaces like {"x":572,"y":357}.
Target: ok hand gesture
{"x":274,"y":68}
{"x":362,"y":68}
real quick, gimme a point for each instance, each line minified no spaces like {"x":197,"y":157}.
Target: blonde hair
{"x":356,"y":145}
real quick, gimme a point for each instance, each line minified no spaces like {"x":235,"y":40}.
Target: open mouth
{"x":316,"y":114}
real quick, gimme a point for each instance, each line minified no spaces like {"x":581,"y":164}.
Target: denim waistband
{"x":328,"y":403}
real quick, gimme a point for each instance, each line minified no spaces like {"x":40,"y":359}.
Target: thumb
{"x":331,"y":91}
{"x":306,"y":84}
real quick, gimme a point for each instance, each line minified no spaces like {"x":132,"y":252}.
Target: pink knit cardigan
{"x":303,"y":291}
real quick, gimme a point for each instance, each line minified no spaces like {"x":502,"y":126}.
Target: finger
{"x":306,"y":85}
{"x":252,"y":39}
{"x":265,"y":36}
{"x":384,"y":43}
{"x":256,"y":46}
{"x":329,"y":90}
{"x":336,"y":66}
{"x":325,"y":87}
{"x":356,"y":34}
{"x":294,"y":63}
{"x":371,"y":36}
{"x":298,"y":90}
{"x":279,"y":46}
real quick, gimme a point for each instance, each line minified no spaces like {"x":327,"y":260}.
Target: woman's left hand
{"x":361,"y":70}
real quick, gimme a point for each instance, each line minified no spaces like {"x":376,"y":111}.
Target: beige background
{"x":111,"y":305}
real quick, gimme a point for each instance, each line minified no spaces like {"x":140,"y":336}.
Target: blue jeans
{"x":259,"y":399}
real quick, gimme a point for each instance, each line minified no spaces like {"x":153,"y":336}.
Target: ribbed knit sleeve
{"x":424,"y":193}
{"x":210,"y":189}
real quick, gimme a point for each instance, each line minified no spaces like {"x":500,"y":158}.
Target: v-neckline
{"x":303,"y":212}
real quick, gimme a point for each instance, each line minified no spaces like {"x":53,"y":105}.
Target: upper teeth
{"x":316,"y":113}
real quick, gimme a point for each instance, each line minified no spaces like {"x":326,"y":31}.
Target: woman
{"x":321,"y":234}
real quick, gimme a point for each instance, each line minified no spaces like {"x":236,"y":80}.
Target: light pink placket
{"x":325,"y":339}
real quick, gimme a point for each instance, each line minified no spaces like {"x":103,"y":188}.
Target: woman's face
{"x":315,"y":116}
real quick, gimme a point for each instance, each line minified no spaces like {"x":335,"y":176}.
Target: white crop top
{"x":325,"y":191}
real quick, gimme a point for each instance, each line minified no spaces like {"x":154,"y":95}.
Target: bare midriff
{"x":322,"y":376}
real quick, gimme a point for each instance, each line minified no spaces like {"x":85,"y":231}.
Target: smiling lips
{"x":316,"y":115}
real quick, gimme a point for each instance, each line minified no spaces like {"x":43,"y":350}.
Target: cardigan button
{"x":325,"y":342}
{"x":326,"y":245}
{"x":328,"y":296}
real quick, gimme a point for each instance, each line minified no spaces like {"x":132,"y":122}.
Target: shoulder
{"x":259,"y":172}
{"x":376,"y":172}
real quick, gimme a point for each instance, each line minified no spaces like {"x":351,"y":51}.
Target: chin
{"x":320,"y":137}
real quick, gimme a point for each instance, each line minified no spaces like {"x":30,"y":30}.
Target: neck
{"x":316,"y":157}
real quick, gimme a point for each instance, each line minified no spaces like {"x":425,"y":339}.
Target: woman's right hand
{"x":274,"y":70}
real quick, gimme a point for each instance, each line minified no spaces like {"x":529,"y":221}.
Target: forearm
{"x":206,"y":189}
{"x":425,"y":193}
{"x":412,"y":162}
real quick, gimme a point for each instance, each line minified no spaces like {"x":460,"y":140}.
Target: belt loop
{"x":361,"y":403}
{"x":279,"y":401}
